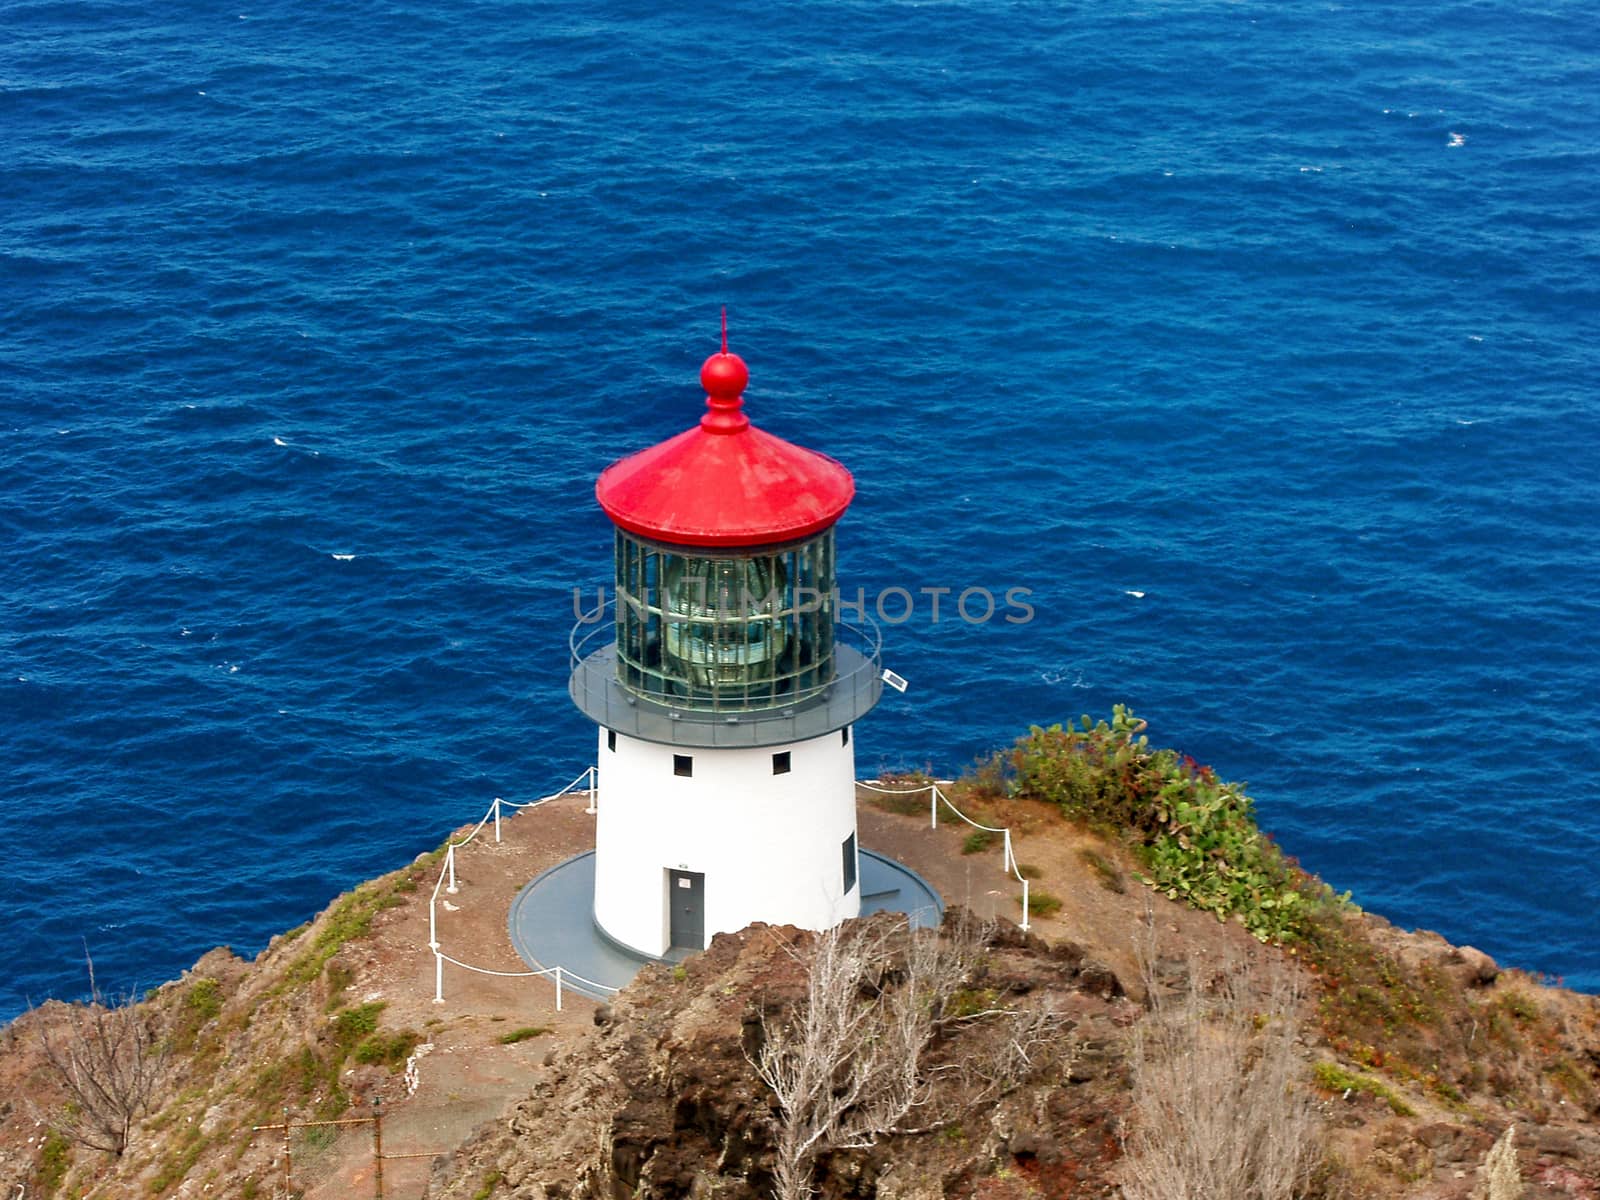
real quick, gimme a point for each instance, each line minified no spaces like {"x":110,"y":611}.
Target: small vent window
{"x":849,"y":863}
{"x":683,"y":765}
{"x":611,"y":739}
{"x":844,"y":736}
{"x":780,"y":763}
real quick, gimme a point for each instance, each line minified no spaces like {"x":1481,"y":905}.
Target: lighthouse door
{"x":686,"y":891}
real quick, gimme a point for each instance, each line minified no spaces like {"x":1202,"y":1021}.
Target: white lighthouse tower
{"x":725,"y":690}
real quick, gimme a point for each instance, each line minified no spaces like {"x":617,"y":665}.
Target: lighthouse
{"x":724,"y":687}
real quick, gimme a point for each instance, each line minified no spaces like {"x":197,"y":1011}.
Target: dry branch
{"x":846,"y":1066}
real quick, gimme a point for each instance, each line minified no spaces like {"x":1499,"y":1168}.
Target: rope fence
{"x":563,"y":977}
{"x":447,"y":883}
{"x":936,"y":796}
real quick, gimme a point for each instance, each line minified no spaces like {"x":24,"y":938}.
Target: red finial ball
{"x":724,"y":376}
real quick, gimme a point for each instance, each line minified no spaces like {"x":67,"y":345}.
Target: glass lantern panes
{"x":730,"y":631}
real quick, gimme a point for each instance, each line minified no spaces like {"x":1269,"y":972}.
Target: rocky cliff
{"x":1413,"y":1056}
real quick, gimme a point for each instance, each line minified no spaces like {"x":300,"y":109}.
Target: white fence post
{"x":438,"y":978}
{"x":1024,"y":906}
{"x":450,"y":861}
{"x":593,"y":793}
{"x":497,"y":820}
{"x":558,"y":987}
{"x":1010,"y":858}
{"x":433,"y":925}
{"x":933,"y":806}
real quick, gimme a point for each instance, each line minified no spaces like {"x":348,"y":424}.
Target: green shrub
{"x":977,"y":841}
{"x":1195,"y":835}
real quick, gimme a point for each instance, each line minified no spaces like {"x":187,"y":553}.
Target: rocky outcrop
{"x":666,"y":1102}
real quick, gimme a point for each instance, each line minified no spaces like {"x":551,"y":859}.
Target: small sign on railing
{"x":897,"y":682}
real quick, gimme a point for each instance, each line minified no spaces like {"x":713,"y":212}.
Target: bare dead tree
{"x":1219,"y":1111}
{"x":846,"y":1066}
{"x":110,"y":1059}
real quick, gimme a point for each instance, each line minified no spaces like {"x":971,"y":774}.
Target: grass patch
{"x":204,"y":999}
{"x":1332,"y":1077}
{"x":977,"y":841}
{"x":350,"y":1025}
{"x":1106,"y":871}
{"x":913,"y":804}
{"x":967,"y":1002}
{"x":1029,"y":871}
{"x":487,"y":1187}
{"x":1520,"y":1006}
{"x":177,"y":1166}
{"x":201,"y":1004}
{"x":1572,"y":1082}
{"x":392,"y":1049}
{"x":338,"y":978}
{"x":523,"y":1034}
{"x":1041,"y":903}
{"x":1411,"y":1022}
{"x":55,"y":1160}
{"x":349,"y":918}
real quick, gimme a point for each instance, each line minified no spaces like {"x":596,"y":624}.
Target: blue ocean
{"x":1259,"y":342}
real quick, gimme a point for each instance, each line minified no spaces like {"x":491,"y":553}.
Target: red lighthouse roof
{"x":725,"y":483}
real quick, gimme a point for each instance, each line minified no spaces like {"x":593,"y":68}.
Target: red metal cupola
{"x":725,"y":483}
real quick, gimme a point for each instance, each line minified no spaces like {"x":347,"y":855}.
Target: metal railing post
{"x":438,"y":971}
{"x":377,"y":1149}
{"x":497,"y":820}
{"x":1010,"y":859}
{"x":288,"y":1179}
{"x":1024,"y":906}
{"x":558,"y":987}
{"x":450,"y":862}
{"x":594,"y":792}
{"x":933,"y":806}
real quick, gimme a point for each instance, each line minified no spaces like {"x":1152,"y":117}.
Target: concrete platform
{"x":552,"y":919}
